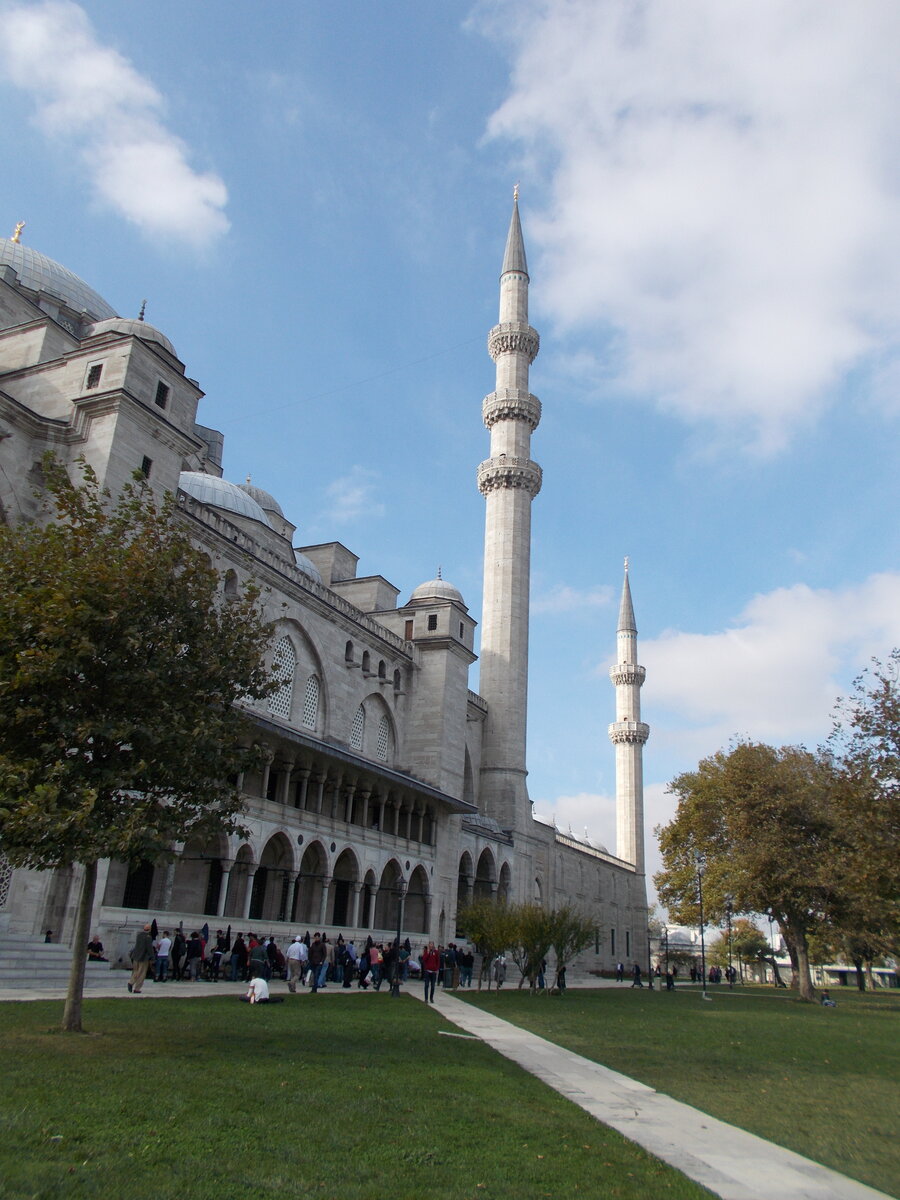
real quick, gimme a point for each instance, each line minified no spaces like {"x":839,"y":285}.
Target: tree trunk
{"x":71,"y":1021}
{"x":870,"y":979}
{"x":860,"y":978}
{"x":804,"y":979}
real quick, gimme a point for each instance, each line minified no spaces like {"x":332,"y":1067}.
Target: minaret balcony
{"x":631,"y":733}
{"x":514,"y":337}
{"x":507,"y":471}
{"x":625,"y":673}
{"x":511,"y":404}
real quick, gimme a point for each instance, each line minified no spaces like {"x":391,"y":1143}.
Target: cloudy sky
{"x":313,"y":200}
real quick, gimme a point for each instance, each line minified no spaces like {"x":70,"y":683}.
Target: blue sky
{"x":313,"y":199}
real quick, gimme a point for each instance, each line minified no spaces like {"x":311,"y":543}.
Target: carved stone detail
{"x":508,"y":471}
{"x":629,"y":732}
{"x":511,"y":404}
{"x":627,"y":673}
{"x":513,"y":337}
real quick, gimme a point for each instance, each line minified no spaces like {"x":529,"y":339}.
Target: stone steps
{"x":32,"y":962}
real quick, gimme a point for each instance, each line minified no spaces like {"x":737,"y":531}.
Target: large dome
{"x":37,"y":273}
{"x":264,"y":499}
{"x":132,"y":327}
{"x":219,"y":493}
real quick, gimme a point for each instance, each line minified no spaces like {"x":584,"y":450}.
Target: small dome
{"x":37,"y":273}
{"x":265,"y":500}
{"x":436,"y":589}
{"x":131,"y":327}
{"x":219,"y":493}
{"x":307,"y":566}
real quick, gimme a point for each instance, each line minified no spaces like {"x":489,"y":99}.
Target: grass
{"x":356,"y":1097}
{"x":820,"y":1081}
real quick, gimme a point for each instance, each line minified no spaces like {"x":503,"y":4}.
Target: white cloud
{"x":563,"y":598}
{"x":591,"y":811}
{"x":92,"y":98}
{"x":723,"y":192}
{"x":776,"y":672}
{"x":352,"y":496}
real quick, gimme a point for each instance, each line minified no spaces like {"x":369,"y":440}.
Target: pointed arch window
{"x":284,"y":663}
{"x":311,"y":702}
{"x":383,"y":742}
{"x":358,"y":729}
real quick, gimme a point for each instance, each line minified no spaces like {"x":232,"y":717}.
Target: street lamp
{"x":395,"y":982}
{"x":700,"y":864}
{"x":649,"y":959}
{"x":729,"y":909}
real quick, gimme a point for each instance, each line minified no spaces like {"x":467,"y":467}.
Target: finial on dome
{"x":17,"y":232}
{"x":439,"y":573}
{"x":247,"y":480}
{"x":143,"y":310}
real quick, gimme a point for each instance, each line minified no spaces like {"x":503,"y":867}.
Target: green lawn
{"x":355,"y":1098}
{"x":822,"y":1081}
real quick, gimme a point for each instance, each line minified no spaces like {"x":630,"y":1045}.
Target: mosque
{"x":389,"y":788}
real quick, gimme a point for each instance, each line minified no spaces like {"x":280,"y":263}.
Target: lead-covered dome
{"x":219,"y":493}
{"x":132,"y":327}
{"x":436,"y":589}
{"x":38,"y":273}
{"x":307,"y":566}
{"x":264,"y":499}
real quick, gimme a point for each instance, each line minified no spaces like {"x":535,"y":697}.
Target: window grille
{"x":311,"y":702}
{"x":358,"y":728}
{"x":284,"y":660}
{"x":384,"y":737}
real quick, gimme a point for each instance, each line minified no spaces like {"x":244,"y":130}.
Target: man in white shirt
{"x":258,"y":991}
{"x":162,"y":957}
{"x":297,"y":956}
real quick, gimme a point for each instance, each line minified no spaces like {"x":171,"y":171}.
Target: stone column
{"x":323,"y":907}
{"x":304,"y":773}
{"x":227,"y":864}
{"x":248,"y":895}
{"x":354,"y":905}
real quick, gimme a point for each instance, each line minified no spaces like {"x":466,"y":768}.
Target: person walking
{"x":162,"y":957}
{"x":142,"y":955}
{"x":296,"y":962}
{"x":318,"y":958}
{"x":636,"y":976}
{"x":431,"y":964}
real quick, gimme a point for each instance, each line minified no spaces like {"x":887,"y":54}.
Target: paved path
{"x":731,"y":1163}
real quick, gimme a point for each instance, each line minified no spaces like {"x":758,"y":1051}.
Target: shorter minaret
{"x":628,"y":734}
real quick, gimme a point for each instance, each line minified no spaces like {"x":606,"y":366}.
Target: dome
{"x":436,"y":589}
{"x":265,"y":500}
{"x":131,"y":327}
{"x":37,"y":273}
{"x":219,"y":493}
{"x":307,"y":566}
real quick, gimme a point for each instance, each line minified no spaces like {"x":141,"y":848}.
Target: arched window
{"x":398,"y":681}
{"x":382,"y":670}
{"x":284,"y":662}
{"x":348,"y":653}
{"x":311,"y":702}
{"x":231,"y":585}
{"x":366,"y":660}
{"x":358,"y":728}
{"x":383,"y":743}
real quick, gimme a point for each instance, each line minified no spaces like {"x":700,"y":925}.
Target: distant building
{"x":385,"y":775}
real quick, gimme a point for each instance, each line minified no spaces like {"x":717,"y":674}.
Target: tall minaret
{"x":509,"y":481}
{"x":628,"y":734}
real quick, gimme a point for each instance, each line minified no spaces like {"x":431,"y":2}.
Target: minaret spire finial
{"x":516,"y":192}
{"x":143,"y":310}
{"x":626,"y":564}
{"x":17,"y":232}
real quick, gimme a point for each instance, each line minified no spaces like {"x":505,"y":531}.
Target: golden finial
{"x":17,"y":234}
{"x":516,"y":192}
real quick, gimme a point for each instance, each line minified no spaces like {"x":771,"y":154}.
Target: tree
{"x":120,"y":668}
{"x":491,"y":928}
{"x":534,"y":937}
{"x":570,"y":933}
{"x":763,"y":819}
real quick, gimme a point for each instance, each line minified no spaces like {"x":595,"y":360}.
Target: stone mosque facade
{"x":389,"y":788}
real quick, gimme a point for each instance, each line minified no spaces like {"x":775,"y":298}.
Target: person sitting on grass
{"x":258,"y":993}
{"x":827,"y":1001}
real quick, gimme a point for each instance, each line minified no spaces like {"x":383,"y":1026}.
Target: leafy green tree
{"x":491,"y":928}
{"x":763,"y":821}
{"x":534,"y":937}
{"x":120,"y":667}
{"x":571,"y":931}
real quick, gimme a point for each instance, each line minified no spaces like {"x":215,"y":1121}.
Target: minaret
{"x":628,"y":734}
{"x":509,"y":481}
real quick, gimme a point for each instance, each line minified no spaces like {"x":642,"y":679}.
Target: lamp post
{"x":395,"y":982}
{"x":700,"y":864}
{"x":649,"y":959}
{"x":729,"y":909}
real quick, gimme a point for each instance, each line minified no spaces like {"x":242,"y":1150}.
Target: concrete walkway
{"x":729,"y":1162}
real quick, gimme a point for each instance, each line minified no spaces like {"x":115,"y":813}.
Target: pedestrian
{"x":431,"y":964}
{"x":142,"y":955}
{"x":296,"y":962}
{"x":194,"y":957}
{"x":498,"y":970}
{"x":162,"y":957}
{"x":636,"y":976}
{"x":177,"y":953}
{"x":318,"y":961}
{"x":620,"y":972}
